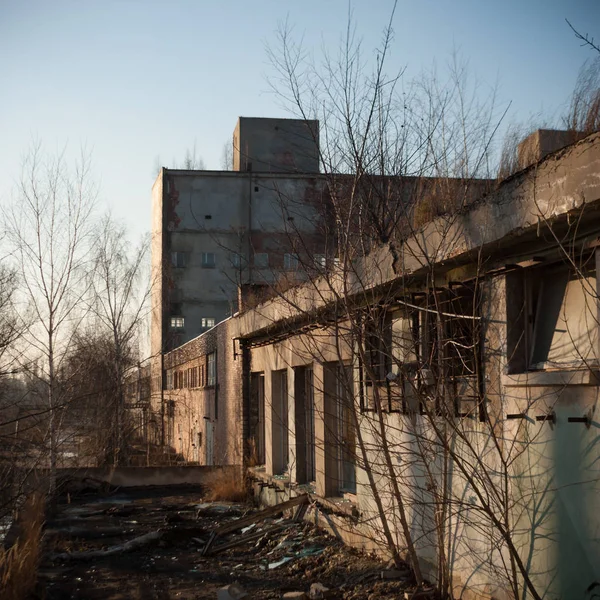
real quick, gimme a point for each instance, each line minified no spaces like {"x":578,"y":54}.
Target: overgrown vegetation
{"x":227,"y":485}
{"x":19,"y":564}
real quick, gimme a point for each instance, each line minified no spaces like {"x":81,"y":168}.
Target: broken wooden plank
{"x":129,"y":546}
{"x":260,"y":515}
{"x":208,"y":544}
{"x":254,"y":518}
{"x":249,"y":537}
{"x":300,"y":512}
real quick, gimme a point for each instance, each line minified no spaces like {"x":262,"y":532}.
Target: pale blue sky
{"x":134,"y":80}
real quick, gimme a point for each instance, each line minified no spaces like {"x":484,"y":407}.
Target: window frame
{"x":531,"y":331}
{"x":178,"y":259}
{"x":261,"y":264}
{"x":290,"y":261}
{"x":208,"y":263}
{"x":206,"y":322}
{"x":211,"y":369}
{"x":176,"y":322}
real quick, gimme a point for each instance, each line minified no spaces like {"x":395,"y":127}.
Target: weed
{"x":227,"y":485}
{"x":19,"y":564}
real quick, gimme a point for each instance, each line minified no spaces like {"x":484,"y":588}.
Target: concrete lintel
{"x":552,"y":378}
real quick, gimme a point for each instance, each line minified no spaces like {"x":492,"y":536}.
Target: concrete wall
{"x":542,"y":471}
{"x":214,"y":412}
{"x":538,"y":478}
{"x":232,"y":216}
{"x":542,"y":142}
{"x":276,"y":145}
{"x":552,"y":492}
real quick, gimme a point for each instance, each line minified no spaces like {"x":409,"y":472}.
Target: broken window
{"x":424,"y":354}
{"x":339,"y":440}
{"x":449,"y":371}
{"x":376,"y":364}
{"x":552,"y":316}
{"x":402,"y":380}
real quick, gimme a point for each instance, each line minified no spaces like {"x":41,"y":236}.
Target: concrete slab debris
{"x":233,"y":591}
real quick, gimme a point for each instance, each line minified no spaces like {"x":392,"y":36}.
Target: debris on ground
{"x":232,"y":591}
{"x":94,"y":549}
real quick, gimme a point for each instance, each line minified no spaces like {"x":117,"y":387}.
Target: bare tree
{"x":227,"y":157}
{"x":48,"y":227}
{"x":10,"y":324}
{"x":120,"y":290}
{"x":12,"y":390}
{"x":192,"y":161}
{"x":584,"y":38}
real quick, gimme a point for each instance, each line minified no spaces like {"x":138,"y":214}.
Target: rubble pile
{"x":145,"y":544}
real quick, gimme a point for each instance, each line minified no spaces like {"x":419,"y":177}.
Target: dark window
{"x":208,"y":260}
{"x":290,"y":262}
{"x":261,"y":260}
{"x":211,"y":369}
{"x":178,"y":259}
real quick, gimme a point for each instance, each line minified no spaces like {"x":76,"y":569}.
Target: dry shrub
{"x":19,"y":564}
{"x":227,"y":485}
{"x":439,"y":196}
{"x":583,"y":117}
{"x":509,"y":152}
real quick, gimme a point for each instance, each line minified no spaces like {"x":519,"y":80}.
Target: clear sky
{"x":137,"y":80}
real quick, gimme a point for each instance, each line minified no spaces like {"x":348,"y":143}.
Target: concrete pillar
{"x":269,"y":427}
{"x":319,"y":399}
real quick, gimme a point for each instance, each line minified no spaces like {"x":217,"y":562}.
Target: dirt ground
{"x":170,"y":565}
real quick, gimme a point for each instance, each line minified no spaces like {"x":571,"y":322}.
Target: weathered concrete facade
{"x":500,"y":448}
{"x":214,"y":231}
{"x":204,"y":398}
{"x":276,"y":145}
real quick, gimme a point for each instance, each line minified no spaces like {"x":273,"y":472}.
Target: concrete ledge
{"x":337,"y":505}
{"x":144,"y":476}
{"x":552,"y":378}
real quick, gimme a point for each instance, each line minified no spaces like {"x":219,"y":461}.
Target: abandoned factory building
{"x":456,"y":367}
{"x":214,"y":232}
